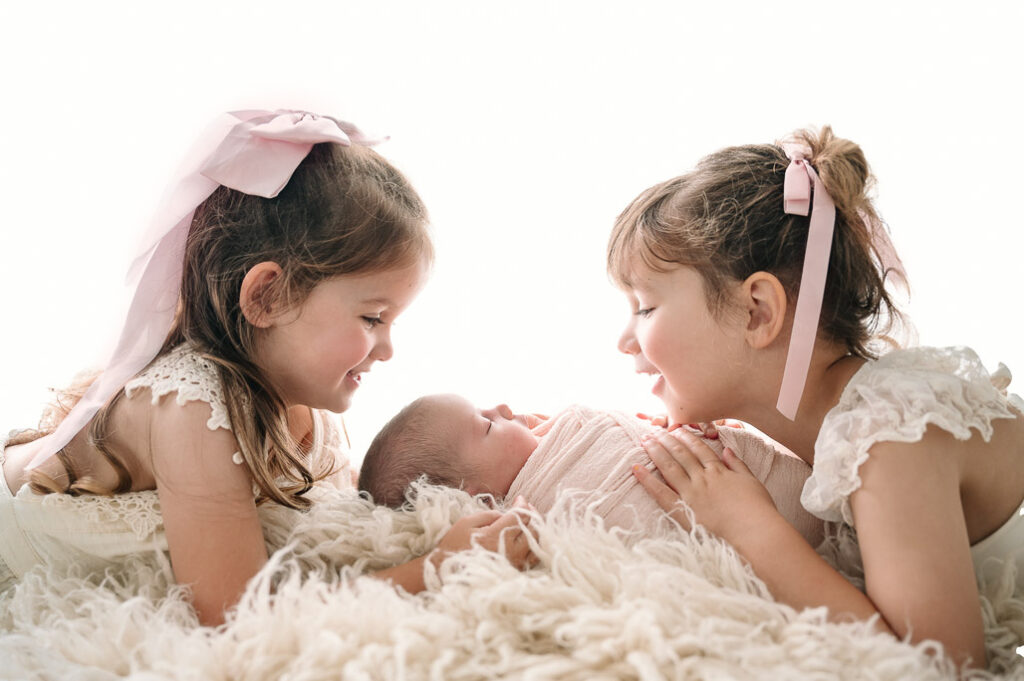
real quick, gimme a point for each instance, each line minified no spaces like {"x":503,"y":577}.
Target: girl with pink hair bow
{"x":758,"y":286}
{"x":268,"y":289}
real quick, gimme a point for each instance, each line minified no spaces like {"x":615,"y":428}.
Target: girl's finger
{"x":521,"y":502}
{"x":510,"y":519}
{"x":481,"y":518}
{"x":735,"y":463}
{"x":665,"y":497}
{"x":678,"y":450}
{"x":696,"y":447}
{"x":674,"y":473}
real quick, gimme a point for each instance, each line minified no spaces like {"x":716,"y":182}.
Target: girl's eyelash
{"x":489,"y":424}
{"x":646,"y":312}
{"x":373,"y":321}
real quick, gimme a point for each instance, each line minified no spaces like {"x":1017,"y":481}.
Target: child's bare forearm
{"x":409,"y":575}
{"x":796,"y":575}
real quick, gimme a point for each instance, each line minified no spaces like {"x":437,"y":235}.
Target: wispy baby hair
{"x":411,"y":445}
{"x":726,"y":220}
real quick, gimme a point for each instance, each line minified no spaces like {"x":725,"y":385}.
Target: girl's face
{"x":316,"y":355}
{"x":672,"y":334}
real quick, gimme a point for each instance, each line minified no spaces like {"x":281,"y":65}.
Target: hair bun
{"x":841,"y":164}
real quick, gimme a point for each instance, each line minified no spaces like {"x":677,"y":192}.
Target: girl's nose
{"x":383,"y":350}
{"x":627,"y":341}
{"x":504,"y":411}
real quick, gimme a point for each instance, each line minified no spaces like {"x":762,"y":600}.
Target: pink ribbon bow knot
{"x":259,"y":155}
{"x":254,"y":152}
{"x":797,"y":188}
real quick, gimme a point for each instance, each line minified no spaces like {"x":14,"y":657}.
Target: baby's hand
{"x":660,"y":420}
{"x":505,"y":533}
{"x":710,"y":430}
{"x":534,"y":420}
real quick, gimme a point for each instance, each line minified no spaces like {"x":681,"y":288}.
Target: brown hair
{"x":408,"y":447}
{"x":345,"y":211}
{"x":725,"y":219}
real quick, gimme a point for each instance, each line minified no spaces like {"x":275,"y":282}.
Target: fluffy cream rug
{"x":602,"y":605}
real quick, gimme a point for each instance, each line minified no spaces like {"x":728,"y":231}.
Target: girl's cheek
{"x":650,"y":340}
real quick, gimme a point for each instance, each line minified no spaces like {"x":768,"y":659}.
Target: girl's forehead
{"x":642,"y":277}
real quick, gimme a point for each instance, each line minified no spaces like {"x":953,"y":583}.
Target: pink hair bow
{"x":798,"y":199}
{"x":254,"y":152}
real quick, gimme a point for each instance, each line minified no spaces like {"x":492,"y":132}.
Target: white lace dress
{"x":894,"y":399}
{"x":95,"y":531}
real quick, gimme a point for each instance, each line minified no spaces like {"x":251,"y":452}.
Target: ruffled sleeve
{"x":895,"y":399}
{"x":191,"y":377}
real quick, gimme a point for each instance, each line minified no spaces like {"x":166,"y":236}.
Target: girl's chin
{"x":659,"y":388}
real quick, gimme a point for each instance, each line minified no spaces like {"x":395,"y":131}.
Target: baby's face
{"x":493,"y":442}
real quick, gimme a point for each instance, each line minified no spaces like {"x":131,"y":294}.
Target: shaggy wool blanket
{"x":602,"y":604}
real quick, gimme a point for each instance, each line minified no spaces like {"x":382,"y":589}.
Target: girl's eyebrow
{"x":378,"y":301}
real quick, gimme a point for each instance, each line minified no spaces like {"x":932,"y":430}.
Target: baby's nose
{"x":504,"y":411}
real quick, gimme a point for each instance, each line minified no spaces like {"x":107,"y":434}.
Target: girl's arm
{"x":210,"y":518}
{"x":915,"y":546}
{"x":492,"y":530}
{"x":913,"y":537}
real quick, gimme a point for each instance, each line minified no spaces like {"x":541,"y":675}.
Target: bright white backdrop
{"x":526,"y":127}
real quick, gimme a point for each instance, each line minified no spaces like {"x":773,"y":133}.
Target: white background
{"x":526,"y":127}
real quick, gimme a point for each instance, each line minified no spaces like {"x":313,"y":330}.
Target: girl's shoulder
{"x":190,"y":376}
{"x":895,"y":399}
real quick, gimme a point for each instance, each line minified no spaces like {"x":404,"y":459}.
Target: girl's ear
{"x":764,"y":298}
{"x":254,"y":297}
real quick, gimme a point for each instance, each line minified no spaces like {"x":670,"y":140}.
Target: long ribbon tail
{"x":809,"y":299}
{"x":149,"y":317}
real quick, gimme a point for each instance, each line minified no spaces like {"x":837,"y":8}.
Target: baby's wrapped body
{"x":590,"y":454}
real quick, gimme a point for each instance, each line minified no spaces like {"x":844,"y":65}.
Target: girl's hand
{"x":723,"y":494}
{"x":506,"y":533}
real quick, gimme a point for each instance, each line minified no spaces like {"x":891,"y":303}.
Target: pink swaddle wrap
{"x":593,"y":452}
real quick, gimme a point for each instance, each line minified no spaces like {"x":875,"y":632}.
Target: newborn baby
{"x":584,"y":451}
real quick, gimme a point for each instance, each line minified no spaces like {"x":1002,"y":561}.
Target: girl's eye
{"x":646,"y":312}
{"x":372,"y":321}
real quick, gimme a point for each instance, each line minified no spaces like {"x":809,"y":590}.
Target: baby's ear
{"x":254,"y":297}
{"x":764,"y":299}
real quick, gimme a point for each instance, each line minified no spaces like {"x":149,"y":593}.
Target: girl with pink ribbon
{"x":267,"y":289}
{"x":758,"y":289}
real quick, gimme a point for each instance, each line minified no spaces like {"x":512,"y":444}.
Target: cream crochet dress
{"x":895,"y":399}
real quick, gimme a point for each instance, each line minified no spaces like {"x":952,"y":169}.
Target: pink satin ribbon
{"x":254,"y":152}
{"x":799,"y":200}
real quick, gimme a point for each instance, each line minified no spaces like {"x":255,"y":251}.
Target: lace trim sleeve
{"x":191,"y":377}
{"x":135,"y":513}
{"x":895,"y":399}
